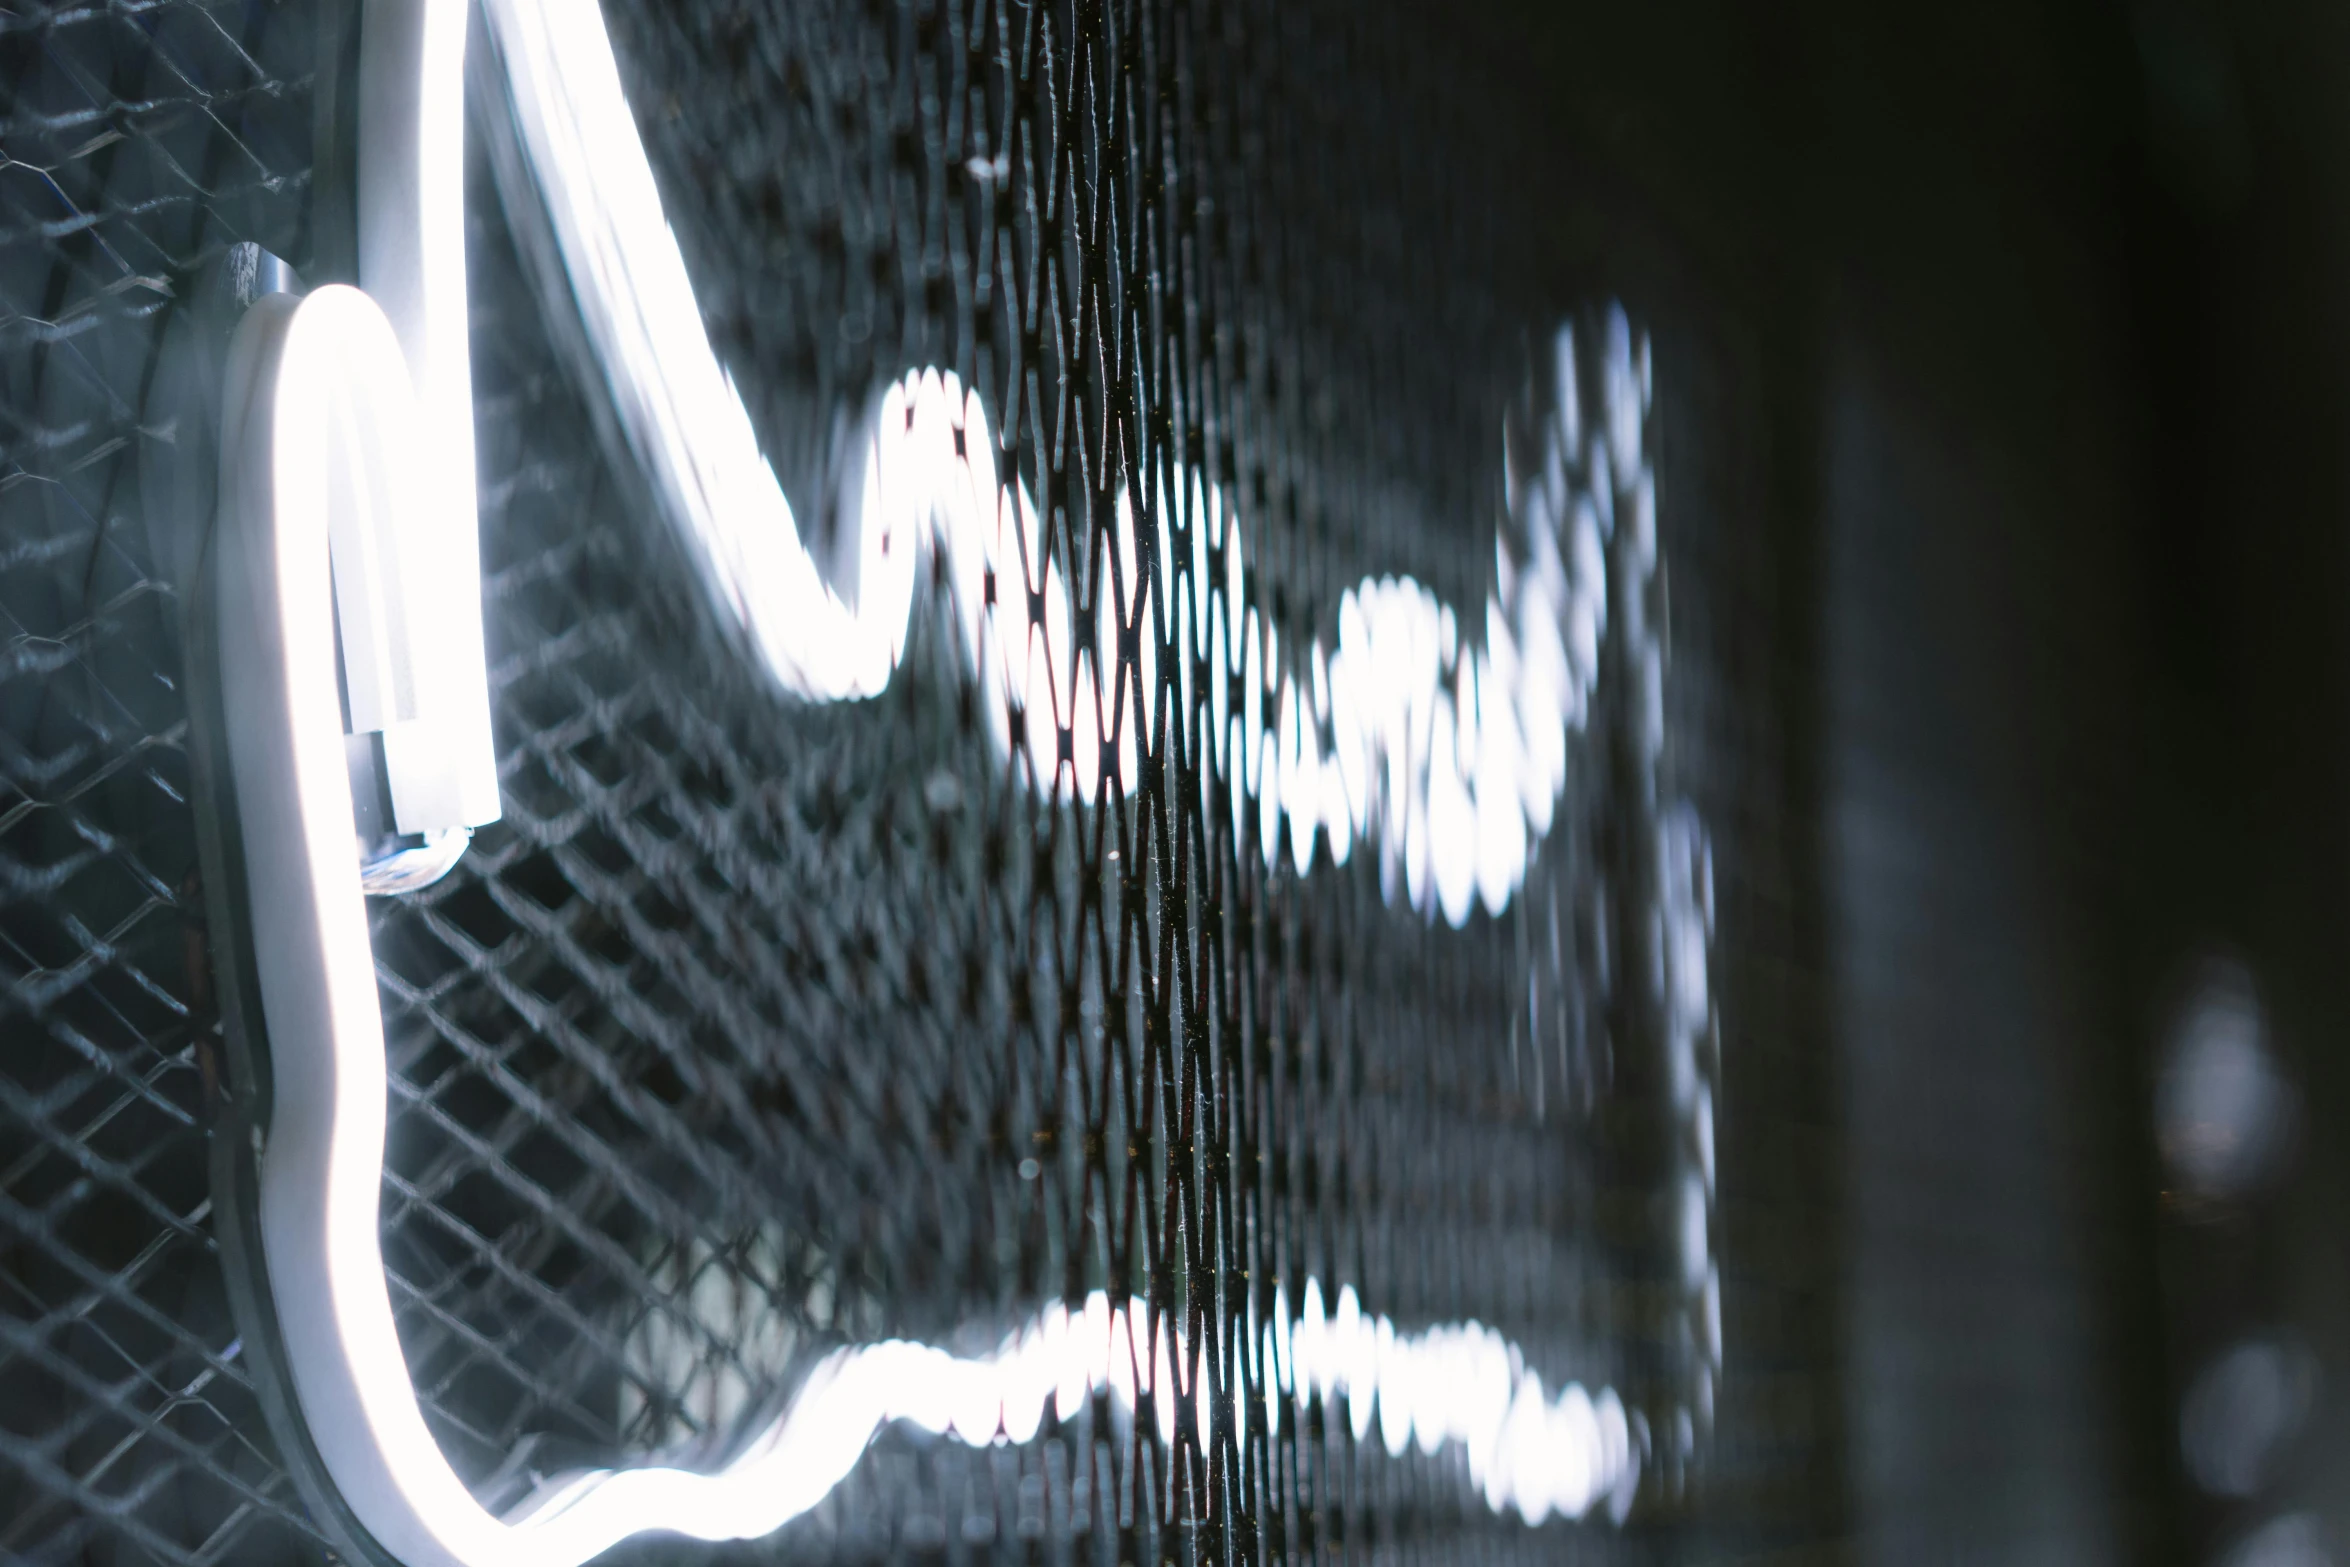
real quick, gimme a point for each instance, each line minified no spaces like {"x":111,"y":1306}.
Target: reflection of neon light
{"x":1443,"y":745}
{"x":1462,"y":1385}
{"x":1448,"y":755}
{"x":1683,"y":934}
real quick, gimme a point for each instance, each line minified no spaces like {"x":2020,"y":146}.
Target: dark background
{"x":2042,"y":308}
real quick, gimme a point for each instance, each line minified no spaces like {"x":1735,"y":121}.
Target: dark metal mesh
{"x":139,"y":142}
{"x":756,"y":1028}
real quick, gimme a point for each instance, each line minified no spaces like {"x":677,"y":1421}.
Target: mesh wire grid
{"x":757,"y":1028}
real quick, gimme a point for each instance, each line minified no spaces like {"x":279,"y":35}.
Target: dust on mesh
{"x":752,"y":1029}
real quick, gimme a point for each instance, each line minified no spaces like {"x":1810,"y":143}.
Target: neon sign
{"x":346,"y":526}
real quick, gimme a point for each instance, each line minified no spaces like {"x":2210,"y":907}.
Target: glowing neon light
{"x":1444,"y":749}
{"x":1462,"y":1385}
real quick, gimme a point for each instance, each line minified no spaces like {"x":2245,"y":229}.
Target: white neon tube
{"x":690,"y":425}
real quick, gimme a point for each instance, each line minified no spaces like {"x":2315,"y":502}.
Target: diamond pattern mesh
{"x":756,"y":1028}
{"x":139,"y":141}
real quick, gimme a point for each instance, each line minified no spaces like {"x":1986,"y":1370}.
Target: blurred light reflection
{"x":1459,"y":1386}
{"x":2295,"y":1540}
{"x":2242,"y":1411}
{"x":2224,"y":1112}
{"x":1440,"y":745}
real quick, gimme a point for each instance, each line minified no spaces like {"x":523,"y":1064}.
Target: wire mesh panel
{"x":139,"y":142}
{"x":760,"y":1028}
